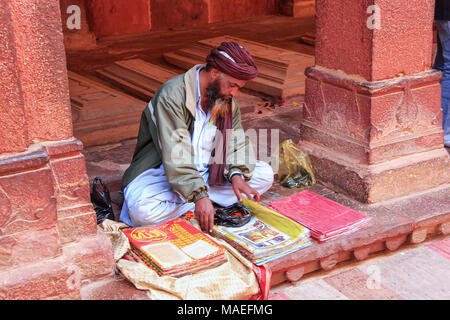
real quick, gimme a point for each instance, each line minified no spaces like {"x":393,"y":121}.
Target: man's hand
{"x":240,"y":186}
{"x":204,"y":212}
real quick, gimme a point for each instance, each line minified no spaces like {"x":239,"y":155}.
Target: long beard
{"x":217,"y":104}
{"x":220,"y":108}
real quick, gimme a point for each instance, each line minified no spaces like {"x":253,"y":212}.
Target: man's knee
{"x":140,"y":219}
{"x":157,"y":212}
{"x":147,"y":214}
{"x":264,"y":174}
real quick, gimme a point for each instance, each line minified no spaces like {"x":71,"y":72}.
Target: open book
{"x":259,"y":234}
{"x":260,"y":241}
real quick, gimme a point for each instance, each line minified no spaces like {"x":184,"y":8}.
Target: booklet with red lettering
{"x":326,"y":219}
{"x":175,"y":248}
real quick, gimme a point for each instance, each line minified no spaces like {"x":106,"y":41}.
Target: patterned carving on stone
{"x":71,"y":183}
{"x":407,"y":110}
{"x":5,"y":210}
{"x":372,"y":112}
{"x":26,"y":202}
{"x":343,"y":115}
{"x":405,"y":114}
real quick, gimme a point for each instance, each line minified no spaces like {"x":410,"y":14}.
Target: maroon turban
{"x":233,"y":60}
{"x":243,"y":67}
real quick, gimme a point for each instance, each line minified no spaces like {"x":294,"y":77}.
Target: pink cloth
{"x":325,"y":218}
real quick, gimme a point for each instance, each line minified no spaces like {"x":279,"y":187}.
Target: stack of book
{"x":262,"y":240}
{"x":175,"y":248}
{"x":325,"y":218}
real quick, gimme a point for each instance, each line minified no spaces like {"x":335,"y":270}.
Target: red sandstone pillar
{"x":372,"y":119}
{"x":49,"y":242}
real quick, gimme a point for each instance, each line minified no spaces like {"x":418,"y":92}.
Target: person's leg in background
{"x":443,"y":63}
{"x":439,"y":60}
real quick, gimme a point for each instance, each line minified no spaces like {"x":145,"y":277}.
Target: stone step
{"x":308,"y":38}
{"x":281,"y":71}
{"x":60,"y":277}
{"x":395,"y":224}
{"x":136,"y":77}
{"x":101,"y":114}
{"x":417,"y":272}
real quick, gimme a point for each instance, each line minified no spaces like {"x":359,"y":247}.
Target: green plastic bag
{"x":295,"y":169}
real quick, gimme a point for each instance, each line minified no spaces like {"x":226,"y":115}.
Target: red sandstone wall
{"x":119,"y":17}
{"x":178,"y":13}
{"x":240,"y":9}
{"x":75,"y":38}
{"x":116,"y":17}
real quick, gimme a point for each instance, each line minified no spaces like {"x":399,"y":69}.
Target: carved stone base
{"x":49,"y":241}
{"x":375,"y":140}
{"x":376,"y":183}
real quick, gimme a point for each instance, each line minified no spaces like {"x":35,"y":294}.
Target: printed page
{"x":166,"y":254}
{"x":199,"y":249}
{"x":259,"y":234}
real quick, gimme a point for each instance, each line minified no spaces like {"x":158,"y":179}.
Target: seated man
{"x":191,"y":148}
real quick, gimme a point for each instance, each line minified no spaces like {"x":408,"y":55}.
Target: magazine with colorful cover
{"x":259,"y":234}
{"x":301,"y":245}
{"x":258,"y":239}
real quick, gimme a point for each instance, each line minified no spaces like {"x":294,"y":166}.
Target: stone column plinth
{"x":372,"y":115}
{"x":49,"y":241}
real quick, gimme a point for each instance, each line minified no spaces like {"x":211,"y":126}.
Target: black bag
{"x":235,"y":215}
{"x":101,"y":200}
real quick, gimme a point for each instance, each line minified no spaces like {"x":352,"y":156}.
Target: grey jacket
{"x":165,"y":134}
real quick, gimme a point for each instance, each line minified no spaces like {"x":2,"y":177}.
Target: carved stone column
{"x":372,"y":119}
{"x":49,"y":242}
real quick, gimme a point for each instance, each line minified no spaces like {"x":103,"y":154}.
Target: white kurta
{"x":149,"y":198}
